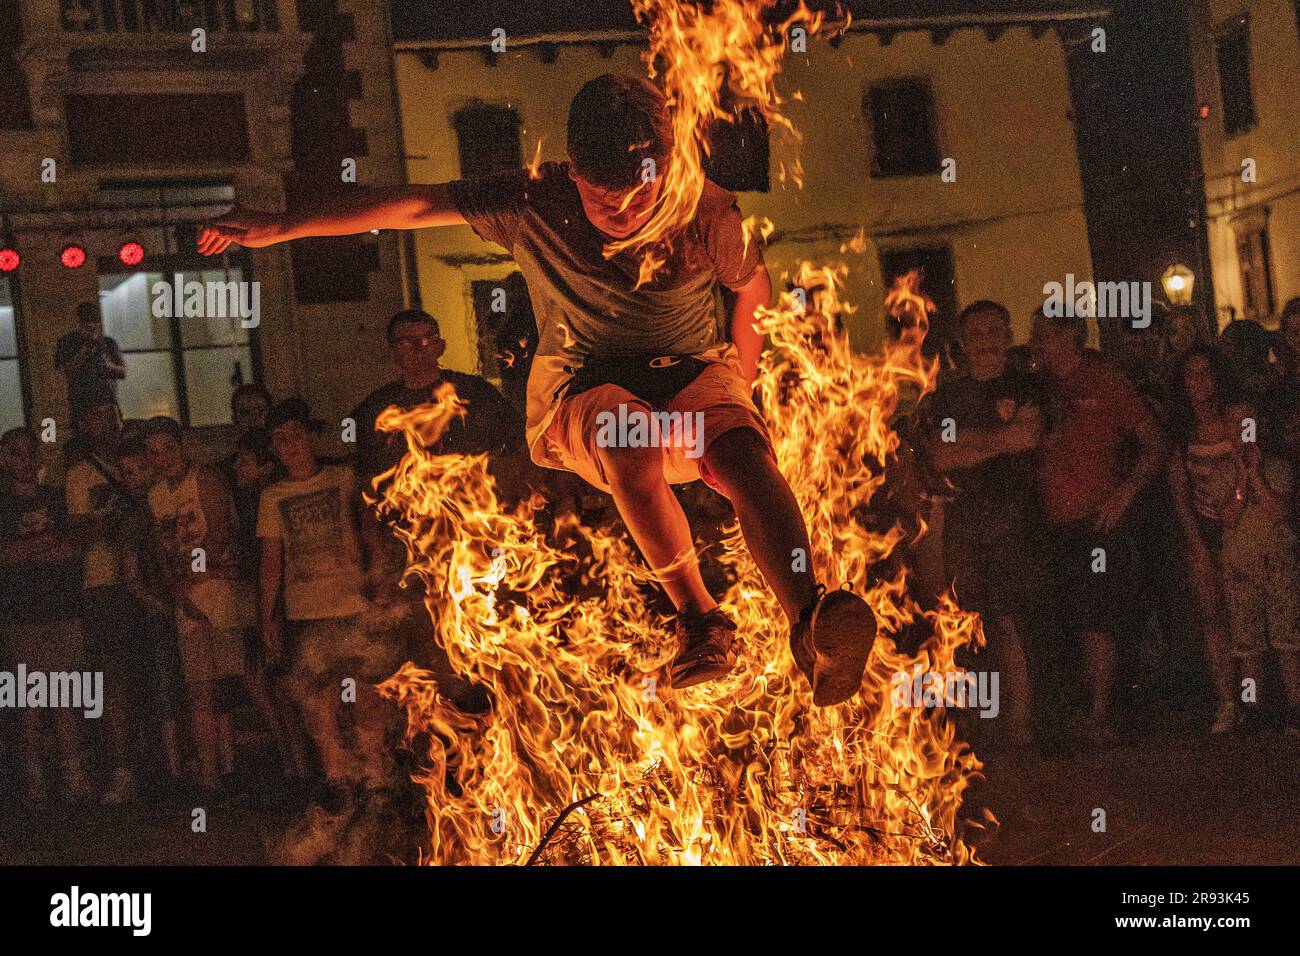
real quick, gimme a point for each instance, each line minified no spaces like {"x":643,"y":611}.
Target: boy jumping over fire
{"x":606,"y":342}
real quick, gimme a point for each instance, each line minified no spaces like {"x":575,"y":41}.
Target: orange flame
{"x":706,"y":49}
{"x":535,"y":166}
{"x":582,"y":757}
{"x":553,"y":622}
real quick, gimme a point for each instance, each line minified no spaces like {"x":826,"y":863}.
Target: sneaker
{"x":121,"y":790}
{"x":1225,"y":720}
{"x":831,"y":643}
{"x":75,"y":785}
{"x":706,"y":653}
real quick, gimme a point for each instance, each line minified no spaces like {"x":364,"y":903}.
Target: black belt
{"x":655,"y":379}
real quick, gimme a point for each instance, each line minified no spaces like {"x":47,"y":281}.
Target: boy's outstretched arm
{"x":345,"y":214}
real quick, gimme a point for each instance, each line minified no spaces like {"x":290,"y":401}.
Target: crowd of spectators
{"x":255,"y":589}
{"x":1088,"y":504}
{"x":1099,"y":506}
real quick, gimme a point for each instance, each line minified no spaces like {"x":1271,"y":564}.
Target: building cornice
{"x":993,"y":24}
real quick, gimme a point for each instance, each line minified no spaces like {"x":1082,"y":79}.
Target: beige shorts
{"x":715,"y":403}
{"x":208,"y":653}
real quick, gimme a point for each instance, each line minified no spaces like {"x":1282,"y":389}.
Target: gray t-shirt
{"x":588,"y":305}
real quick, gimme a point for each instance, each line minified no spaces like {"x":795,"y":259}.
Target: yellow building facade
{"x":1247,"y":67}
{"x":1006,"y":220}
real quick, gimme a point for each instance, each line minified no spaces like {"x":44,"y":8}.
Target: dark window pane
{"x":8,"y":323}
{"x":15,"y":108}
{"x":1234,"y":80}
{"x":222,"y":325}
{"x":149,"y":388}
{"x":937,"y":281}
{"x":738,"y":153}
{"x":1256,"y":274}
{"x":11,"y":384}
{"x":11,"y":395}
{"x":126,"y":303}
{"x":210,"y":376}
{"x":507,"y":332}
{"x":488,"y":139}
{"x":902,"y":126}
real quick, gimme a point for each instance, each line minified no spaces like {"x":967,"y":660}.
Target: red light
{"x":9,"y":260}
{"x":73,"y":257}
{"x":131,"y":253}
{"x":1205,"y":111}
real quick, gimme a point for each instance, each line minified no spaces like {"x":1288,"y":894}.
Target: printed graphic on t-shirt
{"x":314,"y":531}
{"x":186,"y":528}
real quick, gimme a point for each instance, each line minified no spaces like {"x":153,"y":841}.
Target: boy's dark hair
{"x":1076,"y":325}
{"x":983,"y":305}
{"x":1247,"y":340}
{"x":22,"y":431}
{"x":412,"y":317}
{"x":249,"y":388}
{"x":1227,"y":389}
{"x":132,"y":444}
{"x":615,"y":124}
{"x":1291,"y":309}
{"x":163,"y":425}
{"x":257,"y":442}
{"x":88,"y":312}
{"x":292,"y":410}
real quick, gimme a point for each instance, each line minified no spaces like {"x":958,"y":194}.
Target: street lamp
{"x":1178,"y":281}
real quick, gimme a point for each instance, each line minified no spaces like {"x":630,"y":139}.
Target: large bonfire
{"x":582,"y":757}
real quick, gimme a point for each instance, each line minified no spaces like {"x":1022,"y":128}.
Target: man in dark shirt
{"x":90,"y":360}
{"x":984,"y":427}
{"x":490,"y":425}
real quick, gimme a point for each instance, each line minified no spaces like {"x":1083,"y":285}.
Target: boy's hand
{"x":247,"y":227}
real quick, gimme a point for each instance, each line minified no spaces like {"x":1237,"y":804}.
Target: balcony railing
{"x":168,"y":16}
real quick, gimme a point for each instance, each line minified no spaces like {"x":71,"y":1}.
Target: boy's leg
{"x":203,"y":723}
{"x":831,"y":634}
{"x":655,"y":519}
{"x":634,"y":476}
{"x":319,"y":700}
{"x":742,"y":469}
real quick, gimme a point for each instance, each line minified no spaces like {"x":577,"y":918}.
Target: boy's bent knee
{"x":625,"y":465}
{"x":738,"y":450}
